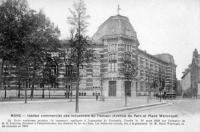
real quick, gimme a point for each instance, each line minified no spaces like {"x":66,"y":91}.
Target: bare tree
{"x":81,"y":52}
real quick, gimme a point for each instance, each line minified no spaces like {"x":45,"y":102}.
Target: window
{"x":68,"y":70}
{"x":112,"y":47}
{"x":112,"y":67}
{"x":96,"y":70}
{"x":128,"y":47}
{"x":82,"y":72}
{"x":112,"y":62}
{"x":112,"y":57}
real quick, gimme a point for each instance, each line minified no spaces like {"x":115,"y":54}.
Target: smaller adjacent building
{"x":191,"y":77}
{"x":178,"y":88}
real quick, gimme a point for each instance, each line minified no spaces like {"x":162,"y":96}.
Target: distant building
{"x":191,"y":76}
{"x":186,"y":80}
{"x":157,"y":65}
{"x":179,"y":89}
{"x":195,"y":73}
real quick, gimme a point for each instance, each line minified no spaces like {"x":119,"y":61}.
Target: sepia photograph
{"x":100,"y":65}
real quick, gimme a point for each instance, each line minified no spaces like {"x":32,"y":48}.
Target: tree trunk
{"x":19,"y":89}
{"x":2,"y":75}
{"x":125,"y":94}
{"x":5,"y":93}
{"x":136,"y":88}
{"x":26,"y":92}
{"x":77,"y":96}
{"x":102,"y":95}
{"x":67,"y":92}
{"x":43,"y":92}
{"x":27,"y":84}
{"x":33,"y":82}
{"x":4,"y":82}
{"x":71,"y":94}
{"x":78,"y":64}
{"x":19,"y":81}
{"x":77,"y":90}
{"x":49,"y":91}
{"x":32,"y":91}
{"x":160,"y":96}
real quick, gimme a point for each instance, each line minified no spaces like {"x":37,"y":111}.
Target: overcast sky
{"x":162,"y":26}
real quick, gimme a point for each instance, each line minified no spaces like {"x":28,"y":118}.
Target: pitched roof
{"x":115,"y":25}
{"x":166,"y":57}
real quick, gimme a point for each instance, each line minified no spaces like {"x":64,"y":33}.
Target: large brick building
{"x":114,"y":40}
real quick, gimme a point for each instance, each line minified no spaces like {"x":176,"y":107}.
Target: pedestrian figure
{"x":97,"y":96}
{"x":164,"y":95}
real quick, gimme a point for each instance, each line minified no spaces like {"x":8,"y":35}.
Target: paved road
{"x":182,"y":107}
{"x":63,"y":106}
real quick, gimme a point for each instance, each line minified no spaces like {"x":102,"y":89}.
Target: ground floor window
{"x":112,"y":67}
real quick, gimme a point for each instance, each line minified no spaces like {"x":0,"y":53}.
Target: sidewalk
{"x":64,"y":106}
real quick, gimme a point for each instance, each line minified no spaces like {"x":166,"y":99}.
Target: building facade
{"x":190,"y":80}
{"x":115,"y":40}
{"x":195,"y":73}
{"x":186,"y":80}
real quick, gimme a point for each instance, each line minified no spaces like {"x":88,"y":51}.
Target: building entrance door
{"x":112,"y":88}
{"x":128,"y":88}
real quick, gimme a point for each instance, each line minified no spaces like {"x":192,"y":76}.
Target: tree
{"x":154,"y":84}
{"x":43,"y":41}
{"x":13,"y":27}
{"x":26,"y":38}
{"x":129,"y":71}
{"x":81,"y":52}
{"x":70,"y":74}
{"x":50,"y":73}
{"x":161,"y":82}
